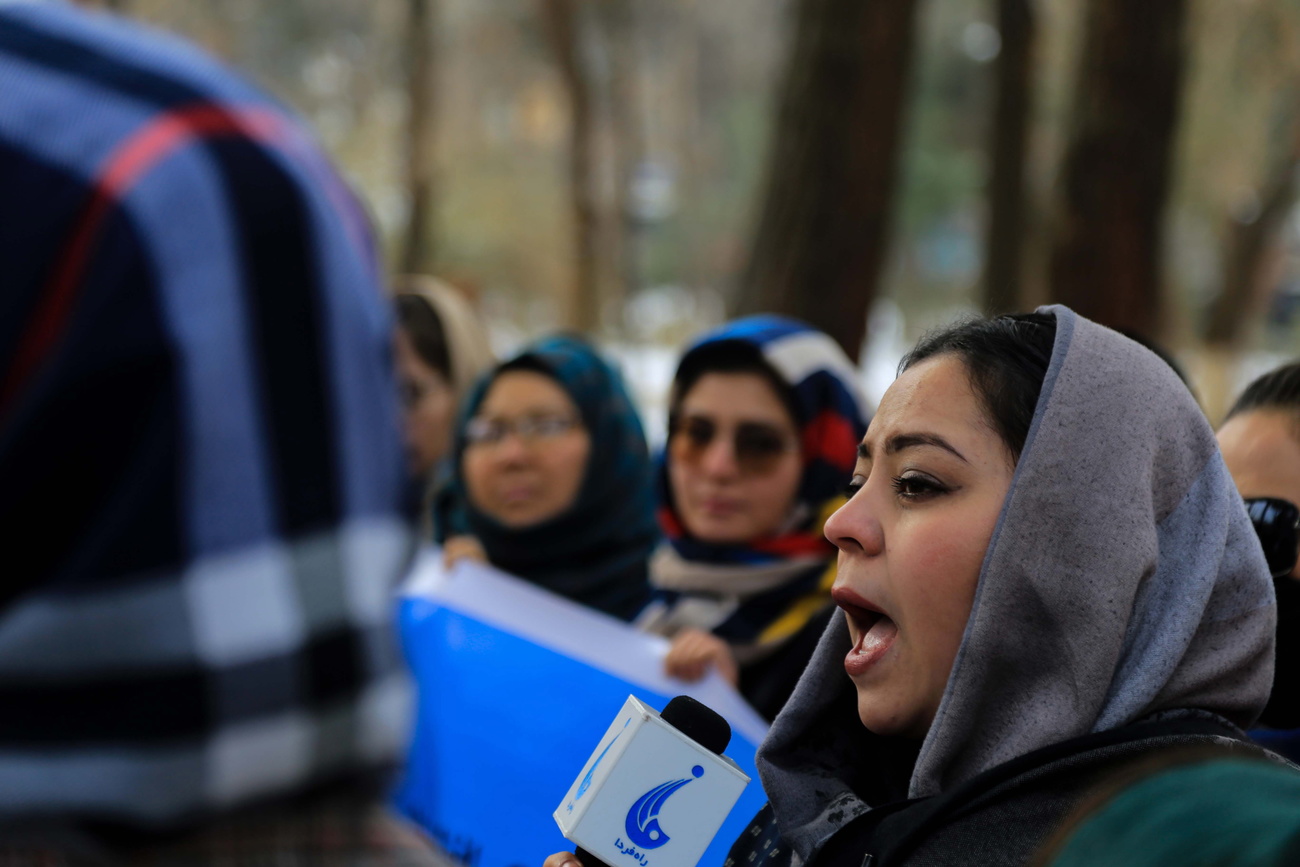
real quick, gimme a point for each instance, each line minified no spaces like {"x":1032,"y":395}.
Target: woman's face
{"x":531,"y":465}
{"x":930,"y":480}
{"x":735,"y":461}
{"x":1263,"y":455}
{"x":429,"y":407}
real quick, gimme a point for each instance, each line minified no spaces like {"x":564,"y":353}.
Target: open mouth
{"x":862,"y":614}
{"x":873,"y":631}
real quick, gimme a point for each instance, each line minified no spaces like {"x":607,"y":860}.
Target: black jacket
{"x":1000,"y":817}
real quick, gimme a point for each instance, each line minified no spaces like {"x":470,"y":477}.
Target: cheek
{"x":420,"y":420}
{"x":950,"y":609}
{"x":477,"y":473}
{"x":776,"y":493}
{"x":441,"y":419}
{"x":679,"y":480}
{"x":569,"y":464}
{"x":943,"y":571}
{"x":438,"y":412}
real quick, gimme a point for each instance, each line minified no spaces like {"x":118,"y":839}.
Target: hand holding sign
{"x":487,"y":651}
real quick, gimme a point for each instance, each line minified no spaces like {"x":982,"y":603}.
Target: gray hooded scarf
{"x":1123,"y":580}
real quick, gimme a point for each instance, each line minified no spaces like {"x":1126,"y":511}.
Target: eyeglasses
{"x":758,"y":447}
{"x":481,"y":431}
{"x":1276,"y":522}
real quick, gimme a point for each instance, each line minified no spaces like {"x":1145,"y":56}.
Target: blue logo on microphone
{"x":642,"y":823}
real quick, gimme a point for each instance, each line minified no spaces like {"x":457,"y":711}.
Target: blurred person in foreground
{"x":551,"y":478}
{"x":440,"y":349}
{"x":763,"y":418}
{"x":201,"y":481}
{"x":1212,"y":806}
{"x":1260,"y":439}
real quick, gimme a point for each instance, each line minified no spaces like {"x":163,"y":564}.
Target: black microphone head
{"x":698,"y":722}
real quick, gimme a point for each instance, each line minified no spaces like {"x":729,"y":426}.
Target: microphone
{"x":655,"y":790}
{"x":699,"y":722}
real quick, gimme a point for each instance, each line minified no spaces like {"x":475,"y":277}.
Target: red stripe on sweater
{"x":136,"y":156}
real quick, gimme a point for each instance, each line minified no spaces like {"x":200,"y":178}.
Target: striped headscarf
{"x":831,"y":416}
{"x":757,"y":594}
{"x":595,"y":552}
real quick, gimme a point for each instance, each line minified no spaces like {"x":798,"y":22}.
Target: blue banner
{"x":517,"y":686}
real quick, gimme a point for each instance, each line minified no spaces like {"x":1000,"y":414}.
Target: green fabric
{"x":1226,"y":813}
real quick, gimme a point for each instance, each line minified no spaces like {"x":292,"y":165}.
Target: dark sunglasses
{"x":1275,"y":523}
{"x":758,"y":447}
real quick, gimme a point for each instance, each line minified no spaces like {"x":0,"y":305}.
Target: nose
{"x":854,"y":528}
{"x":719,"y":460}
{"x":512,"y":449}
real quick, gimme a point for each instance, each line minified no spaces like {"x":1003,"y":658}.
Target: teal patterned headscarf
{"x":596,"y":551}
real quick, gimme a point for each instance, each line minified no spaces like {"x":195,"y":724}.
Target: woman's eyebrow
{"x":899,"y":442}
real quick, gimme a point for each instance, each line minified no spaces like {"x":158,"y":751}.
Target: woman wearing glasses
{"x":553,"y":478}
{"x":764,"y":415}
{"x":1261,"y":444}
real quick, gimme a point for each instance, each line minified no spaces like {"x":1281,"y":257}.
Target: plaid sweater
{"x":202,"y":498}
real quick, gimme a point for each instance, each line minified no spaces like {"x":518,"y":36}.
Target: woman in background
{"x":440,"y":348}
{"x":1261,"y":444}
{"x":764,"y":416}
{"x":552,"y":478}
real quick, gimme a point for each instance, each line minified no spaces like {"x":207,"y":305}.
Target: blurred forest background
{"x":640,"y":169}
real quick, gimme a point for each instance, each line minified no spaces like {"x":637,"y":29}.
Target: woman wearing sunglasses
{"x":763,"y":417}
{"x":1261,"y":444}
{"x":552,"y":478}
{"x":1044,"y":572}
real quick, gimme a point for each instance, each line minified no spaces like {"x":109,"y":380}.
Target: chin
{"x":889,"y":723}
{"x":717,"y":532}
{"x":519,"y":520}
{"x":723,"y":537}
{"x":872,"y":723}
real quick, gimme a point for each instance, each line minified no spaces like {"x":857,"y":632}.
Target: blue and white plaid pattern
{"x":202,"y":493}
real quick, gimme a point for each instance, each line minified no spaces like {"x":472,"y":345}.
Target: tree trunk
{"x":1004,"y":263}
{"x":583,"y":306}
{"x":1244,"y":292}
{"x":618,"y":20}
{"x":1105,"y":259}
{"x":1251,"y":244}
{"x":418,"y":247}
{"x":823,"y":226}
